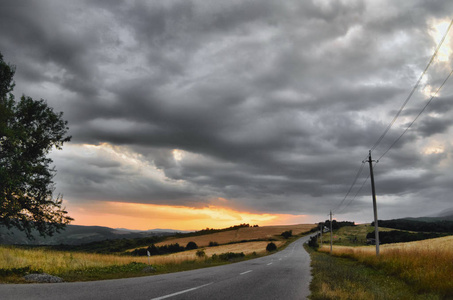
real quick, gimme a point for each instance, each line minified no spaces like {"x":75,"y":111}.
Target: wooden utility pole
{"x":331,"y":233}
{"x":373,"y":190}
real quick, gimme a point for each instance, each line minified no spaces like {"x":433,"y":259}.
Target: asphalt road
{"x":283,"y":275}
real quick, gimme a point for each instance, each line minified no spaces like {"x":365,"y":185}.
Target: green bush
{"x":191,"y":246}
{"x":271,"y":247}
{"x":200,"y":253}
{"x":287,"y":234}
{"x":231,"y":255}
{"x":19,"y":271}
{"x":313,"y":242}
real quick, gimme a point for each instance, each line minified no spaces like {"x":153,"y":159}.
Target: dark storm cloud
{"x":270,"y":105}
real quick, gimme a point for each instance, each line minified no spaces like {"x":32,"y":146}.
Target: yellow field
{"x":426,"y":264}
{"x":246,"y":248}
{"x":244,"y":233}
{"x":55,"y":262}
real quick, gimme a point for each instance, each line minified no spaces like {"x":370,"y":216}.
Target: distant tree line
{"x":212,"y":230}
{"x":338,"y":224}
{"x":165,"y":249}
{"x":397,"y":236}
{"x":414,"y":225}
{"x":110,"y":246}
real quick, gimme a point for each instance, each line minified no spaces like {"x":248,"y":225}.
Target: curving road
{"x":283,"y":275}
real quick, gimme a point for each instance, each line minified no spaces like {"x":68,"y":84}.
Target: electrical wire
{"x":356,"y":194}
{"x":415,"y":119}
{"x":413,"y":89}
{"x":359,"y":172}
{"x":393,"y":122}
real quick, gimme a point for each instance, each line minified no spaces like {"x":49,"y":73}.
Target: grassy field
{"x":351,"y":235}
{"x":338,"y":278}
{"x":241,"y":234}
{"x":426,"y":267}
{"x":247,"y":248}
{"x":79,"y":266}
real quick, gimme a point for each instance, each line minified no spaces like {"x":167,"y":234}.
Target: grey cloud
{"x":275,"y":105}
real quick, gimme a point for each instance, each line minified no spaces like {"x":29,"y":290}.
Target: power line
{"x":396,"y":117}
{"x":359,"y":172}
{"x":355,"y":196}
{"x":415,"y":119}
{"x":413,"y":89}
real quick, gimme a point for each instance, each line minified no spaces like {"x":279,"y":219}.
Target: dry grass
{"x":427,"y":265}
{"x":55,"y":262}
{"x":246,"y":248}
{"x":241,"y":234}
{"x":59,"y":262}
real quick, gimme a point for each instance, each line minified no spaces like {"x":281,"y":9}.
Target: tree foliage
{"x":338,"y":224}
{"x":396,"y":236}
{"x":29,"y":130}
{"x":313,"y":242}
{"x":271,"y":247}
{"x":191,"y":246}
{"x":158,"y":250}
{"x":415,"y":225}
{"x":287,"y":234}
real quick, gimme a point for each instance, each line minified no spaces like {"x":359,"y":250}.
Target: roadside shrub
{"x":19,"y":271}
{"x":213,"y":244}
{"x":158,"y":250}
{"x":287,"y":234}
{"x":231,"y":255}
{"x":313,"y":242}
{"x":271,"y":247}
{"x":191,"y":246}
{"x":200,"y":253}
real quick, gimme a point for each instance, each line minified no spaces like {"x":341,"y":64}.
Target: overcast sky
{"x":266,"y":107}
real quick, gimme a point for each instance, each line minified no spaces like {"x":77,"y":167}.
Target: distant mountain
{"x":77,"y":234}
{"x":446,"y":214}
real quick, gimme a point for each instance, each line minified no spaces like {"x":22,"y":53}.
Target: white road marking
{"x":182,"y":292}
{"x":269,"y":264}
{"x":246,"y":272}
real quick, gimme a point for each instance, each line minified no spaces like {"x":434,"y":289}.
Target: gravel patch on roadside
{"x":43,"y":278}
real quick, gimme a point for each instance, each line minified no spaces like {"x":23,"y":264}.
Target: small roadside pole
{"x":149,"y":254}
{"x":322,"y":225}
{"x":331,"y":233}
{"x":373,"y":191}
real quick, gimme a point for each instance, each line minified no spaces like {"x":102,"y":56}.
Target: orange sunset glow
{"x":150,"y":216}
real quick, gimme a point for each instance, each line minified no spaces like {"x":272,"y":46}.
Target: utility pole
{"x":331,"y":233}
{"x":373,"y":190}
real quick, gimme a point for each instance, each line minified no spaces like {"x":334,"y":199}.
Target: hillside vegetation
{"x":240,"y":234}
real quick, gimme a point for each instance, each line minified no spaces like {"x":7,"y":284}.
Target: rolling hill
{"x":77,"y":234}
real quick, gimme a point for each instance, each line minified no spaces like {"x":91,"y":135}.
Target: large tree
{"x":29,"y":130}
